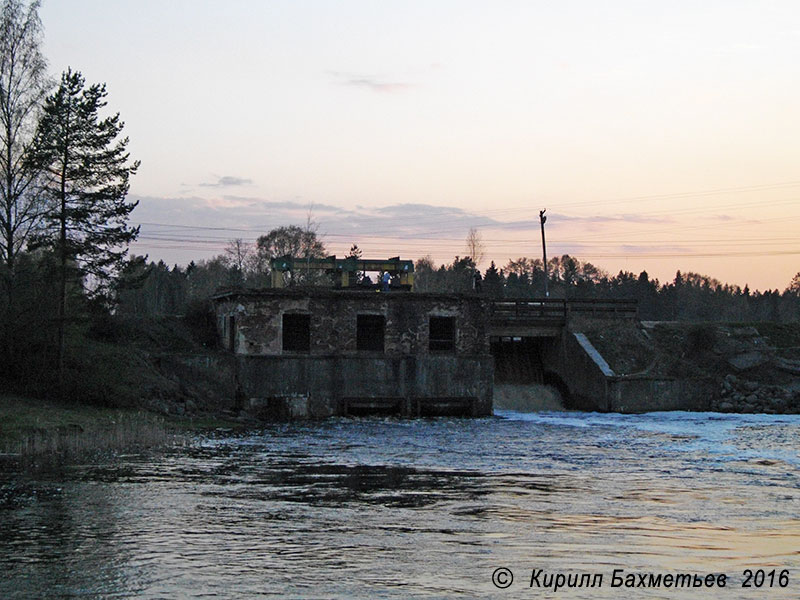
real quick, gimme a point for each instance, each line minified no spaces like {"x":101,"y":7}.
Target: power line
{"x":432,"y":237}
{"x":567,"y":204}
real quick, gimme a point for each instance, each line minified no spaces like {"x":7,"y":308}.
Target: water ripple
{"x":365,"y":508}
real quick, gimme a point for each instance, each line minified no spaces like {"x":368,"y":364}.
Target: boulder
{"x":789,"y":366}
{"x":747,"y":360}
{"x":778,"y":403}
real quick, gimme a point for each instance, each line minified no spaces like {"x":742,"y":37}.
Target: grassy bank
{"x":33,"y":427}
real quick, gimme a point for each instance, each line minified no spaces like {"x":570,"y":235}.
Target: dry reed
{"x":124,"y":431}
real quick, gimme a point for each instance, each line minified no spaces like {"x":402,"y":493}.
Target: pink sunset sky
{"x":658,"y":136}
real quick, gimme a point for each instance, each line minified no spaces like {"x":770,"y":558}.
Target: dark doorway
{"x":232,"y":333}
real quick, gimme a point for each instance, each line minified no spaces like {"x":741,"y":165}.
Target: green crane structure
{"x":344,"y":268}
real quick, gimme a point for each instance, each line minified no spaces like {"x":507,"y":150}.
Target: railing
{"x":529,"y":311}
{"x":604,"y":309}
{"x":556,"y":311}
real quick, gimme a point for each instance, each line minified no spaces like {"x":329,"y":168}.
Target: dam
{"x":318,"y":352}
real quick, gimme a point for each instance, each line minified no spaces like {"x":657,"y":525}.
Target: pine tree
{"x":86,"y":225}
{"x":493,"y":281}
{"x":357,"y":277}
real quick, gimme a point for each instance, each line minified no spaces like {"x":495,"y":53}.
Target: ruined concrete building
{"x":324,"y":352}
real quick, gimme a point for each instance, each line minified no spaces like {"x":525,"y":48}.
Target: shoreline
{"x":34,"y":427}
{"x":31,"y":427}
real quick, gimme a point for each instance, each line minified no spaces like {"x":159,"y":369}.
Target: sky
{"x":659,"y":136}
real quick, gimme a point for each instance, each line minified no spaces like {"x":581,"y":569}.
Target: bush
{"x":700,"y":339}
{"x":200,"y":320}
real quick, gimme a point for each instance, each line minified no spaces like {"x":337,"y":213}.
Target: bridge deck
{"x":544,"y":317}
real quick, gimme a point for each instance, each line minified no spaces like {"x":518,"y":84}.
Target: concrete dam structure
{"x":317,"y":352}
{"x":541,"y":340}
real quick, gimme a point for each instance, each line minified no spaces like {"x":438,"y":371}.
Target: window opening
{"x":370,"y":332}
{"x":442,"y":334}
{"x":296,"y":332}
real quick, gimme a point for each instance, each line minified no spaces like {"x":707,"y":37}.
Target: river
{"x":385,"y":508}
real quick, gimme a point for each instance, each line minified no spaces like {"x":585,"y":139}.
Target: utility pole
{"x":542,"y":219}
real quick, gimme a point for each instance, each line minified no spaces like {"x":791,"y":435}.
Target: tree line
{"x":64,"y":178}
{"x":160,"y":289}
{"x":687,"y":297}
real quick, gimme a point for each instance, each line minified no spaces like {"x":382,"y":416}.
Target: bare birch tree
{"x":475,"y":248}
{"x":23,"y":88}
{"x":239,"y":255}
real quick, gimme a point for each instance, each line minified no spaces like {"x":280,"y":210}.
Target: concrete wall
{"x":583,"y":377}
{"x":593,"y":386}
{"x":322,"y":386}
{"x":334,"y":377}
{"x":645,"y":394}
{"x":258,"y":319}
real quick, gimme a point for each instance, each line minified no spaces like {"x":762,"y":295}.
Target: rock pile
{"x":740,"y":396}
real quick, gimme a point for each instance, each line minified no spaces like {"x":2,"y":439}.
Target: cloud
{"x":379,"y":86}
{"x":737,"y":48}
{"x":288,"y":205}
{"x":557,"y":220}
{"x":373,"y":84}
{"x":228,"y":181}
{"x":191,"y":227}
{"x":411,"y":210}
{"x":414,"y":220}
{"x":654,"y":249}
{"x":604,"y":219}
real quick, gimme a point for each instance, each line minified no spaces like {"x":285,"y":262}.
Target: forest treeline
{"x":158,"y":289}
